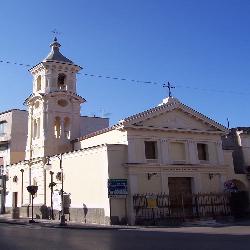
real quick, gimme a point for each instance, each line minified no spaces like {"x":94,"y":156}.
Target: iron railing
{"x":154,"y":208}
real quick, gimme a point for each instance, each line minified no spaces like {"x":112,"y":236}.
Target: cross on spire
{"x":169,"y":86}
{"x":55,"y":32}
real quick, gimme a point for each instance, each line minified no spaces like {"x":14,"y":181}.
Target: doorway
{"x":180,"y":195}
{"x":179,"y":185}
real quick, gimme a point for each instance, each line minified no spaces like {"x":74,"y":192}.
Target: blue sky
{"x":197,"y":45}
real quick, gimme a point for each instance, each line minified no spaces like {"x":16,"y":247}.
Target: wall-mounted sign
{"x":117,"y":188}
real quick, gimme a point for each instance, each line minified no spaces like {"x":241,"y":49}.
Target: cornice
{"x":54,"y":64}
{"x":172,"y":168}
{"x":41,"y":96}
{"x":178,"y":130}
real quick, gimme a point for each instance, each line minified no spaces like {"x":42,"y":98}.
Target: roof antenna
{"x":228,"y":123}
{"x":169,"y":86}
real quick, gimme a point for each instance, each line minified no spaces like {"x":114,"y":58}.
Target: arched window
{"x":61,"y":81}
{"x":38,"y":83}
{"x":57,"y":127}
{"x":38,"y":127}
{"x":34,"y":129}
{"x":67,"y":127}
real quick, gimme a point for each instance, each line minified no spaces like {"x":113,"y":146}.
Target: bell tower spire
{"x":55,"y":54}
{"x":54,"y":106}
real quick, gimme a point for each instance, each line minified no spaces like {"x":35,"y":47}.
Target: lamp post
{"x":32,"y":190}
{"x":48,"y":167}
{"x":62,"y":217}
{"x":22,"y":170}
{"x":51,"y":185}
{"x":63,"y":221}
{"x":2,"y":191}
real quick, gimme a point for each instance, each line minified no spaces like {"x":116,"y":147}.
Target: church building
{"x":168,"y":150}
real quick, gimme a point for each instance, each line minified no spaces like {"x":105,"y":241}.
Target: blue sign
{"x":117,"y":188}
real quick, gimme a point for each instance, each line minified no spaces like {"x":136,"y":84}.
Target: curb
{"x":24,"y":222}
{"x":68,"y":226}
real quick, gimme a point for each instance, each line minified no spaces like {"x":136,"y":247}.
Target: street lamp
{"x":51,"y":185}
{"x":2,"y":191}
{"x":22,"y":170}
{"x":62,"y":217}
{"x":48,"y":166}
{"x":32,"y":189}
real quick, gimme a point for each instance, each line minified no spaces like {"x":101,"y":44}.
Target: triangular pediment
{"x":175,"y":119}
{"x":174,"y":115}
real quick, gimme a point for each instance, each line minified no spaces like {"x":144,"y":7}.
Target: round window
{"x":62,"y":103}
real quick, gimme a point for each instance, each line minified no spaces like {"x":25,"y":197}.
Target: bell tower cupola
{"x":54,"y":106}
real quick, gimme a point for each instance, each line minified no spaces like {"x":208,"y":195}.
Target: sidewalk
{"x":6,"y":218}
{"x":56,"y":224}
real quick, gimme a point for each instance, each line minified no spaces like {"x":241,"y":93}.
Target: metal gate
{"x":152,"y":209}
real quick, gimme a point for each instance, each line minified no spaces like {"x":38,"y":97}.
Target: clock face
{"x":62,"y":103}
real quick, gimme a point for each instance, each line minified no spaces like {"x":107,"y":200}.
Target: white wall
{"x":86,"y":176}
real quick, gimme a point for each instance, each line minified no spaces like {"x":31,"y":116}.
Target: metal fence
{"x":160,"y":208}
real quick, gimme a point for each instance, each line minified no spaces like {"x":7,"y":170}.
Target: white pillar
{"x":132,"y":189}
{"x":192,"y":152}
{"x":197,"y":183}
{"x":220,"y":153}
{"x":164,"y":146}
{"x":164,"y":183}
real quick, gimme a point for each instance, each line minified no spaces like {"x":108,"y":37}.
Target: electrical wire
{"x":140,"y":81}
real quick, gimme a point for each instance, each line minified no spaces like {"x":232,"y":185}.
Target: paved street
{"x":37,"y":237}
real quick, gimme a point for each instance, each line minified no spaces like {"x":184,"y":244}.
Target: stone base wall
{"x":89,"y":216}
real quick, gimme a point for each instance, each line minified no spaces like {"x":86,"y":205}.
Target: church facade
{"x":169,"y":149}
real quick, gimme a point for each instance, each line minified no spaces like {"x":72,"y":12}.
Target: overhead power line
{"x":119,"y":78}
{"x":163,"y":84}
{"x":15,"y":63}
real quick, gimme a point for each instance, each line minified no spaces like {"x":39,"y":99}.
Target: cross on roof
{"x":169,"y":86}
{"x":55,"y":32}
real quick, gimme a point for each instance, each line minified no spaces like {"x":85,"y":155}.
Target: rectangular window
{"x":1,"y":170}
{"x":1,"y":165}
{"x":3,"y":147}
{"x":151,"y":149}
{"x":177,"y":151}
{"x":202,"y":149}
{"x":3,"y":125}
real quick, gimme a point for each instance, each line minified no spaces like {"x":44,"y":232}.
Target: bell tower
{"x":54,"y":106}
